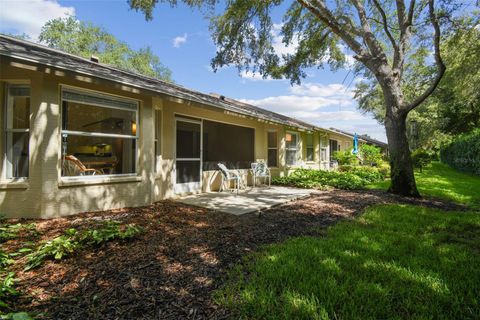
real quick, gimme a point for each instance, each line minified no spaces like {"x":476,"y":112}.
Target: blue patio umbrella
{"x":355,"y":144}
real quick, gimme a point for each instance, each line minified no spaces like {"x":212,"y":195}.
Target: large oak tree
{"x":382,"y":34}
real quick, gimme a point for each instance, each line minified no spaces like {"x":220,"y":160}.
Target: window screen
{"x":228,"y":144}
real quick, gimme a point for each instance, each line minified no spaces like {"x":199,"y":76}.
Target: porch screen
{"x":229,"y":144}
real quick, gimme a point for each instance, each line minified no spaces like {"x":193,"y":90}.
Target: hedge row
{"x":351,"y":178}
{"x":463,"y":153}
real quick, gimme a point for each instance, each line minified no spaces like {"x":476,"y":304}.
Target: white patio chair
{"x":228,"y":176}
{"x":260,"y":170}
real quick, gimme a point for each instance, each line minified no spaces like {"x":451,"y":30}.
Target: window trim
{"x":273,"y":148}
{"x":157,"y":140}
{"x":7,"y":167}
{"x":307,"y":146}
{"x":104,"y":178}
{"x":297,"y":147}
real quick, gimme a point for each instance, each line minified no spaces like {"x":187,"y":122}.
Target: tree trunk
{"x":403,"y":179}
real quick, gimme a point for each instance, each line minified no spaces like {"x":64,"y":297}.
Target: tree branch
{"x":438,"y":60}
{"x":320,"y":10}
{"x":370,"y":39}
{"x":385,"y":25}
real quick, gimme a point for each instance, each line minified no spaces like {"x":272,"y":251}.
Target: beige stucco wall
{"x":45,"y":194}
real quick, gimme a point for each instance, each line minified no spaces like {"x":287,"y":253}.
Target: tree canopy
{"x":85,"y":39}
{"x":454,"y":107}
{"x":384,"y":37}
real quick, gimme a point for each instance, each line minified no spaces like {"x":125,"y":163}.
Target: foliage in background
{"x":463,"y":153}
{"x":320,"y":179}
{"x":85,"y":39}
{"x":421,"y":158}
{"x":454,"y":107}
{"x":393,"y":262}
{"x":73,"y":240}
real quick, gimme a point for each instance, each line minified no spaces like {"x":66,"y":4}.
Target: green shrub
{"x":421,"y":159}
{"x":384,"y":169}
{"x":319,"y":179}
{"x":11,"y":231}
{"x":463,"y":153}
{"x":7,"y":288}
{"x":370,"y":174}
{"x":345,"y":157}
{"x":371,"y":155}
{"x":74,"y":240}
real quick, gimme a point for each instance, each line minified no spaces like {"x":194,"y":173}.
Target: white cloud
{"x":315,"y":116}
{"x":255,"y":76}
{"x":307,"y":97}
{"x":327,"y":106}
{"x":279,"y":47}
{"x":28,"y":16}
{"x":320,"y":90}
{"x":178,"y":41}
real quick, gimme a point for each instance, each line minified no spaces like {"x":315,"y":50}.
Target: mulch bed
{"x":171,"y":270}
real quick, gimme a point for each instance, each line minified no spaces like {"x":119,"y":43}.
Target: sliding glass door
{"x":188,"y":157}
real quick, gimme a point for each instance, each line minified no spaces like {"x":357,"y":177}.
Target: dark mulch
{"x":171,"y":270}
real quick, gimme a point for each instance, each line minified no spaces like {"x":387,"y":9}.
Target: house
{"x":81,"y":136}
{"x":362,"y":139}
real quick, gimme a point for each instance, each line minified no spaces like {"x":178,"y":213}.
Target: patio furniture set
{"x":259,"y":170}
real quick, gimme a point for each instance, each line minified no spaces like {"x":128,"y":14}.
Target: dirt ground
{"x":171,"y":270}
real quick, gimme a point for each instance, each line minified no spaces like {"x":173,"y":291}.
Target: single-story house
{"x":362,"y":139}
{"x":80,"y":136}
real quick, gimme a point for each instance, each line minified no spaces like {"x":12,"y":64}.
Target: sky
{"x":181,"y":38}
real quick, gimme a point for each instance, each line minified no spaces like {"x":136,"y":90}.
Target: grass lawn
{"x":441,"y":181}
{"x":394,"y":262}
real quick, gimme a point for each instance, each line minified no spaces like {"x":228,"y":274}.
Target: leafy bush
{"x":371,"y":155}
{"x":319,"y":179}
{"x":110,"y":231}
{"x":463,"y":153}
{"x":345,"y":157}
{"x":421,"y":159}
{"x":370,"y":174}
{"x":7,"y":288}
{"x":74,"y":240}
{"x":384,"y":169}
{"x":56,"y":248}
{"x":11,"y":231}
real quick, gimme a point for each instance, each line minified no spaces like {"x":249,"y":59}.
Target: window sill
{"x":87,"y":181}
{"x":14,"y":184}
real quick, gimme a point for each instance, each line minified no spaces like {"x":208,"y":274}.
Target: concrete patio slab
{"x":247,"y":201}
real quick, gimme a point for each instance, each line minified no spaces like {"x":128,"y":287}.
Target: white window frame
{"x":273,"y":148}
{"x":8,"y":162}
{"x":66,"y":133}
{"x":157,"y":139}
{"x":307,"y":146}
{"x":296,"y":148}
{"x":323,"y":149}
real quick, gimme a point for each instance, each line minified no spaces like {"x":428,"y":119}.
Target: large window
{"x":310,"y":149}
{"x":272,"y":146}
{"x":17,"y":131}
{"x":291,"y":148}
{"x":229,"y":144}
{"x":99,"y":134}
